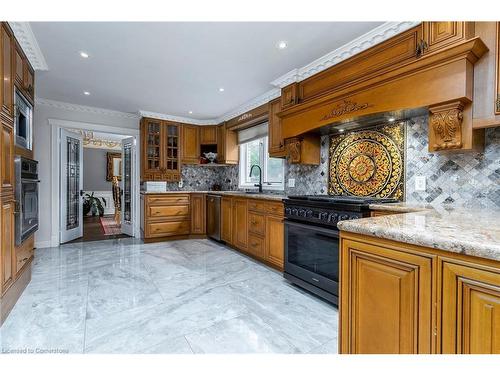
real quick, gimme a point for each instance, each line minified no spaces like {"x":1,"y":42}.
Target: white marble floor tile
{"x":123,"y":296}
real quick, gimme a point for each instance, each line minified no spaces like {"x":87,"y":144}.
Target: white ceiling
{"x":174,"y":68}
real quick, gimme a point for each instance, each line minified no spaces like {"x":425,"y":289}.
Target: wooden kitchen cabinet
{"x":289,"y":96}
{"x":226,"y":208}
{"x":18,"y":66}
{"x":470,"y":308}
{"x":7,"y":255}
{"x":276,"y":143}
{"x":227,"y":145}
{"x":23,"y":73}
{"x":240,"y":223}
{"x":7,"y":159}
{"x":7,"y":84}
{"x":386,"y":298}
{"x":442,"y":34}
{"x":208,"y":135}
{"x":165,"y":215}
{"x":160,"y":159}
{"x":275,"y":240}
{"x":497,"y":71}
{"x":190,"y":144}
{"x":198,"y":213}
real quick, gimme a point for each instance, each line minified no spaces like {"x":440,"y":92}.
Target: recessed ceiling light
{"x":86,"y":93}
{"x":282,"y":44}
{"x":83,"y":54}
{"x":391,"y":119}
{"x":190,"y":112}
{"x":221,"y":89}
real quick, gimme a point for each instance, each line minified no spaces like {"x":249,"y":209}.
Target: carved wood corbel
{"x":293,"y":150}
{"x":445,"y":126}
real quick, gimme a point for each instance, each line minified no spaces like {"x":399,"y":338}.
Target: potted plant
{"x":93,"y":204}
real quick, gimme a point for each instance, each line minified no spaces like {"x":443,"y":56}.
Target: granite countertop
{"x":458,"y":230}
{"x":274,"y":197}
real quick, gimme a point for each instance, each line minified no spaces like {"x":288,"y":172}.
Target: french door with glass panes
{"x":71,"y":188}
{"x":128,"y":186}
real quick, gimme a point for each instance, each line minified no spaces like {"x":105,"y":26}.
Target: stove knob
{"x":332,"y":218}
{"x":352,"y":217}
{"x":294,"y":212}
{"x":302,"y":213}
{"x":343,"y":217}
{"x":309,"y":213}
{"x":323,"y":216}
{"x":288,"y":211}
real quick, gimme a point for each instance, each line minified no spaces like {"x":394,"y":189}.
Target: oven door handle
{"x":30,"y":180}
{"x":332,"y":233}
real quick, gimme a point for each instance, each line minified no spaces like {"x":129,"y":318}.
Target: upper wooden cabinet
{"x":6,"y":159}
{"x":23,"y":73}
{"x":497,"y":70}
{"x":227,"y":145}
{"x":208,"y":135}
{"x":190,"y":150}
{"x":161,"y":150}
{"x":438,"y":35}
{"x":7,"y":84}
{"x":386,"y":299}
{"x":276,"y":141}
{"x":470,"y":308}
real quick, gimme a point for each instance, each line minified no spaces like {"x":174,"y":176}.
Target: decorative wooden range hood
{"x":430,"y":66}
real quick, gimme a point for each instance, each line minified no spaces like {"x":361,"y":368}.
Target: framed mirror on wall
{"x":114,"y":166}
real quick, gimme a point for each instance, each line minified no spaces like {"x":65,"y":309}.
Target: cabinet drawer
{"x":256,"y":246}
{"x":256,"y":223}
{"x":24,"y":253}
{"x":275,"y":208}
{"x":173,"y":228}
{"x":259,"y":206}
{"x":166,"y":200}
{"x":168,"y":211}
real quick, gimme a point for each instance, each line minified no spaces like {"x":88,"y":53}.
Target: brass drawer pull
{"x":254,"y":244}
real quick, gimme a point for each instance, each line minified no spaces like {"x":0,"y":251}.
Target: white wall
{"x":42,"y":150}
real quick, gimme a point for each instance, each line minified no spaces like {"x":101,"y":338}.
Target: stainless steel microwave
{"x":23,"y":125}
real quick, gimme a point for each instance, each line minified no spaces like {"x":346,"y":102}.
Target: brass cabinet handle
{"x":254,"y":244}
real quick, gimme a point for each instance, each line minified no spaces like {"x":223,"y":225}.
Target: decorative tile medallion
{"x":368,"y":163}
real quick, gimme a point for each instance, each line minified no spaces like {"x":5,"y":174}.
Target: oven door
{"x":28,"y":208}
{"x":312,"y":255}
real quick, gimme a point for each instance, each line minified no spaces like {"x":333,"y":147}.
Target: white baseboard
{"x":42,"y":244}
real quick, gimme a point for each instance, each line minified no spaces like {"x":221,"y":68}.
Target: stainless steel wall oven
{"x":26,"y":195}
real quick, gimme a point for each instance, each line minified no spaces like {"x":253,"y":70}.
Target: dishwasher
{"x":213,"y":217}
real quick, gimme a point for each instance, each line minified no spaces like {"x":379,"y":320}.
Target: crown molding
{"x":254,"y":103}
{"x":185,"y":120}
{"x":365,"y":41}
{"x":29,"y":44}
{"x":83,"y":108}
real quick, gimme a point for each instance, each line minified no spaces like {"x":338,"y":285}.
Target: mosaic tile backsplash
{"x":465,"y":179}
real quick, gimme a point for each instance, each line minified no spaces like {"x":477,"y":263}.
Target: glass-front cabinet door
{"x":172,"y":151}
{"x":153,"y":144}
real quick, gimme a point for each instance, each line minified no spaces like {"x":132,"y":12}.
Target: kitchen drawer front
{"x":258,"y":206}
{"x":256,"y":223}
{"x":275,"y":208}
{"x":256,"y":246}
{"x":24,"y":253}
{"x":168,"y":200}
{"x":168,"y":211}
{"x":173,"y":228}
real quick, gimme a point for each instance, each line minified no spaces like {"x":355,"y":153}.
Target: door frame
{"x":55,"y":140}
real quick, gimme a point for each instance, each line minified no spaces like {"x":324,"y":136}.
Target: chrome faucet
{"x":260,"y":176}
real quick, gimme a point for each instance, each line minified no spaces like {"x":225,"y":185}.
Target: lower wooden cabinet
{"x":226,"y":209}
{"x":386,"y":300}
{"x":275,"y":240}
{"x":198,"y":213}
{"x":165,"y":215}
{"x":7,"y":255}
{"x":401,"y":298}
{"x":240,"y":223}
{"x":470,"y":309}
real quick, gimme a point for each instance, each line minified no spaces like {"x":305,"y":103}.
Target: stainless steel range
{"x":312,"y":239}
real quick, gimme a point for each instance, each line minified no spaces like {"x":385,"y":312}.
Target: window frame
{"x":243,"y":183}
